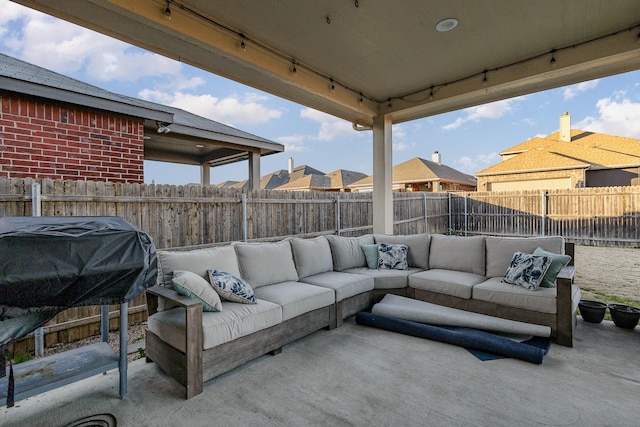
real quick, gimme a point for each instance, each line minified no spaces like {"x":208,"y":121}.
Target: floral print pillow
{"x":527,"y":270}
{"x":231,"y":288}
{"x":392,"y":257}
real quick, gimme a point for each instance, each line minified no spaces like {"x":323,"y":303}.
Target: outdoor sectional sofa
{"x":303,"y":285}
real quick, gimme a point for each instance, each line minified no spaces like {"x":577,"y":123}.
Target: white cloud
{"x":330,"y":126}
{"x":67,"y":48}
{"x":231,"y":110}
{"x":480,"y":161}
{"x":293,"y":143}
{"x":574,"y":90}
{"x":493,"y":110}
{"x":616,"y":116}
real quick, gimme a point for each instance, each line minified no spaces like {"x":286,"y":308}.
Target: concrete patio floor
{"x":357,"y":375}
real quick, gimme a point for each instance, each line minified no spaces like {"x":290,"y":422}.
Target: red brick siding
{"x":46,"y":140}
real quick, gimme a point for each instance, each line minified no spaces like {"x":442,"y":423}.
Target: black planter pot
{"x":592,"y":311}
{"x":624,"y":316}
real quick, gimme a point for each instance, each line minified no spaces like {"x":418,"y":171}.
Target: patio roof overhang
{"x":376,"y":63}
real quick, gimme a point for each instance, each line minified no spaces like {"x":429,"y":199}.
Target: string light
{"x":244,"y":40}
{"x":553,"y":58}
{"x":389,"y":104}
{"x":333,"y":86}
{"x":294,"y":70}
{"x":361,"y":99}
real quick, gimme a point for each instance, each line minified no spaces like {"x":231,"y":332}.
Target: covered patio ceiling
{"x":376,"y":62}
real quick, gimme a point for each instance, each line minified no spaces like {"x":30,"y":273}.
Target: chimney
{"x":565,"y":127}
{"x":290,"y":164}
{"x":436,"y":158}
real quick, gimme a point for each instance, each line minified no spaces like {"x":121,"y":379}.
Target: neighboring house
{"x":338,"y":180}
{"x":302,"y":178}
{"x":565,"y":159}
{"x":53,"y":126}
{"x":418,"y":174}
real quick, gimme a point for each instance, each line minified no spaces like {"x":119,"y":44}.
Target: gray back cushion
{"x":197,"y":261}
{"x":346,"y":251}
{"x":418,"y":254}
{"x":457,"y":253}
{"x":266,"y":263}
{"x":311,"y":256}
{"x":500,"y":250}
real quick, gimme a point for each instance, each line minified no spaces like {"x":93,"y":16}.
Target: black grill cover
{"x":48,"y":264}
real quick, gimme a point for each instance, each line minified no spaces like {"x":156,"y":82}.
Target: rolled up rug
{"x":463,"y":337}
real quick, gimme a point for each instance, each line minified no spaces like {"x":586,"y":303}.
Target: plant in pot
{"x":624,"y":316}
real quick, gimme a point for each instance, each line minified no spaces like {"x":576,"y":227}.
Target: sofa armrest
{"x":193,"y":333}
{"x":564,"y":310}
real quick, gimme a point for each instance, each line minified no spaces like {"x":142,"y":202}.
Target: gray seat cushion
{"x":296,"y":298}
{"x":456,"y":283}
{"x":500,"y":250}
{"x":457,"y":253}
{"x":311,"y":256}
{"x":346,"y":251}
{"x":385,"y":278}
{"x":542,"y":300}
{"x":345,"y":285}
{"x":266,"y":263}
{"x":418,"y":244}
{"x":234,"y":321}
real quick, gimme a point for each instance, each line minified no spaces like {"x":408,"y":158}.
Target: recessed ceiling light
{"x":199,"y":146}
{"x":447,"y":24}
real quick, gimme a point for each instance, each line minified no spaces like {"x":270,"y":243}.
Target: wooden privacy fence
{"x":176,"y":216}
{"x":602,"y":216}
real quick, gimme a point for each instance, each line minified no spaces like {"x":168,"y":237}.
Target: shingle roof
{"x":336,"y":180}
{"x":23,"y":77}
{"x":585,"y":150}
{"x":421,"y":170}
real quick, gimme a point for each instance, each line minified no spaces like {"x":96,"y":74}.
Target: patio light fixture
{"x":446,"y":24}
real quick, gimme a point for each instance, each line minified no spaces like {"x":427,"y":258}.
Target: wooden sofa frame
{"x":194,"y":366}
{"x":562,"y":323}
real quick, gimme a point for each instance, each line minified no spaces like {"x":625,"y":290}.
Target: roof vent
{"x":565,"y":127}
{"x":436,"y":158}
{"x":290,"y":164}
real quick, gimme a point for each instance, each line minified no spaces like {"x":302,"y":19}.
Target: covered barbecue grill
{"x":49,"y":264}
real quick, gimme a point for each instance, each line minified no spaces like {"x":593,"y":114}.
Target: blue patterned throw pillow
{"x":231,"y":288}
{"x":393,"y":257}
{"x":527,"y":270}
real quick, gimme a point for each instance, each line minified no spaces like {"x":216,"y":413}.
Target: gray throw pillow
{"x":193,"y":286}
{"x":558,"y":261}
{"x":371,"y":255}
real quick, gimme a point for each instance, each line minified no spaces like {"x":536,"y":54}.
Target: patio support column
{"x":254,"y":170}
{"x":382,"y":180}
{"x":205,"y":174}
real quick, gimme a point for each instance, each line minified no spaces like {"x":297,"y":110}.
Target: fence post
{"x":36,"y":210}
{"x":36,"y":199}
{"x":466,"y":214}
{"x":244,"y":217}
{"x":543,"y":197}
{"x":338,"y":215}
{"x":450,"y":222}
{"x":426,"y":219}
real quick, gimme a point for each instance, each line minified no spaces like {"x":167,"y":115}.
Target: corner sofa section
{"x":303,"y":285}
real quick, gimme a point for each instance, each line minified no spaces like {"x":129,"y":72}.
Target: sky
{"x":469,"y":140}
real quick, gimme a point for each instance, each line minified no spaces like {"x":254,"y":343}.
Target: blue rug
{"x":484,"y":345}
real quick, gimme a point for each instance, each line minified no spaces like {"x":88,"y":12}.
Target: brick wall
{"x":40,"y":139}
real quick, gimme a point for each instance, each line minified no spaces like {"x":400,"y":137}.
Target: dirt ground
{"x":608,"y":271}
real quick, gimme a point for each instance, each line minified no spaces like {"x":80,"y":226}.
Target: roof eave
{"x":61,"y":95}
